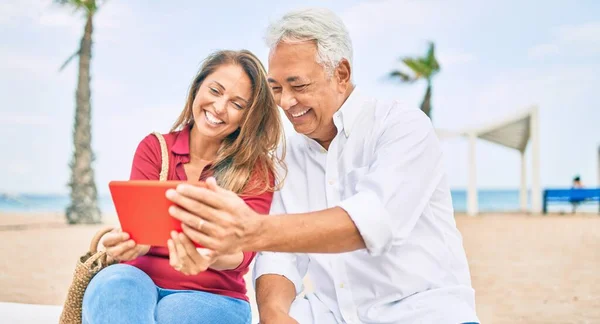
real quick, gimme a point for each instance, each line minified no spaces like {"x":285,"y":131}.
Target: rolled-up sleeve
{"x":292,"y":266}
{"x":394,"y":190}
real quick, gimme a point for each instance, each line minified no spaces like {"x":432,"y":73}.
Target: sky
{"x":497,"y":58}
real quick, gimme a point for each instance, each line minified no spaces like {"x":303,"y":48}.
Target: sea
{"x":505,"y":200}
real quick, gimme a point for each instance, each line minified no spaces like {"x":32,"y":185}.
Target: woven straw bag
{"x":93,"y":261}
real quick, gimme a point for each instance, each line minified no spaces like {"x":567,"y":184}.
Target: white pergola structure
{"x":598,"y":166}
{"x":516,"y":132}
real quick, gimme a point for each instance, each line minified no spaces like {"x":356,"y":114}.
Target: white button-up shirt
{"x":384,"y":168}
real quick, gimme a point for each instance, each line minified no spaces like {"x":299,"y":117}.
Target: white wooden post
{"x":523,"y":191}
{"x":472,"y":208}
{"x":536,"y":190}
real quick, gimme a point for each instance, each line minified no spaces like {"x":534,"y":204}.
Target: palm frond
{"x":90,"y":6}
{"x":402,"y":76}
{"x":430,"y":56}
{"x":435,"y":66}
{"x":428,"y":69}
{"x":67,"y":61}
{"x":417,"y":66}
{"x":431,"y":60}
{"x":424,"y":67}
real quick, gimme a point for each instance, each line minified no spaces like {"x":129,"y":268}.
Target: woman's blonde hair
{"x":253,"y":146}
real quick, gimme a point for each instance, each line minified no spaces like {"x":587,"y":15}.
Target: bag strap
{"x":164,"y":168}
{"x":97,"y":258}
{"x":96,"y":239}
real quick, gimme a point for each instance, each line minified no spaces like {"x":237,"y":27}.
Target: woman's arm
{"x":146,"y":166}
{"x":228,"y":261}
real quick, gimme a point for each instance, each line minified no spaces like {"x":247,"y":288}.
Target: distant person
{"x":575,"y":201}
{"x":227,"y":130}
{"x":577,"y":182}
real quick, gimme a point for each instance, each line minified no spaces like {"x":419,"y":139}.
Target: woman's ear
{"x":343,"y":75}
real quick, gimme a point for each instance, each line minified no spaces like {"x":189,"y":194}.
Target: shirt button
{"x":342,"y":285}
{"x":332,"y":182}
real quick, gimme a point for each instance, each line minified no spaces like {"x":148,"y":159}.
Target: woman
{"x":228,"y":130}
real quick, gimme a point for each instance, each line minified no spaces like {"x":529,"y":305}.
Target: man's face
{"x":304,"y":91}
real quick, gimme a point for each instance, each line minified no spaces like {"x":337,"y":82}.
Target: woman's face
{"x":221,"y":100}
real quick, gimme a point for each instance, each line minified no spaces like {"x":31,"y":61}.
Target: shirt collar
{"x":182,"y":142}
{"x":346,"y":116}
{"x":343,"y":119}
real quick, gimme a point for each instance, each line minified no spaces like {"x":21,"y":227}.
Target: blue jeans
{"x":125,"y":294}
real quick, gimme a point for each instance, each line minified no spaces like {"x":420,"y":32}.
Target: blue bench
{"x":572,"y":196}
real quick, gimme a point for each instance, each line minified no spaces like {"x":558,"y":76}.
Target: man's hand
{"x":186,"y":258}
{"x":214,"y":217}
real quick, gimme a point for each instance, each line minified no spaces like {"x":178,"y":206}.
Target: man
{"x":365,"y":209}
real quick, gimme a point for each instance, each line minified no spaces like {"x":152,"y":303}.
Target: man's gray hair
{"x":314,"y":24}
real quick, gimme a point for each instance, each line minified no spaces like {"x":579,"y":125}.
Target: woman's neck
{"x":202,"y":148}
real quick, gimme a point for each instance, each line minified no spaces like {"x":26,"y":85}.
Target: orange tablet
{"x":143,"y":209}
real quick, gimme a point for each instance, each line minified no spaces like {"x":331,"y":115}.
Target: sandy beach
{"x":525,"y":269}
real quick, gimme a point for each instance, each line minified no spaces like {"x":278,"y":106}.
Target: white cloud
{"x":405,"y":19}
{"x":114,"y":15}
{"x":16,"y":11}
{"x":452,"y":57}
{"x":547,"y":87}
{"x":52,"y":20}
{"x":19,"y":168}
{"x":27,"y":63}
{"x":17,"y":119}
{"x":395,"y":24}
{"x":543,"y":50}
{"x":109,"y":19}
{"x":577,"y":40}
{"x":589,"y":32}
{"x":47,"y":14}
{"x":371,"y":17}
{"x":59,"y":17}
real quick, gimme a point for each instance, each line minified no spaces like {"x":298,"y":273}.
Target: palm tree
{"x":422,"y":68}
{"x":83,"y":208}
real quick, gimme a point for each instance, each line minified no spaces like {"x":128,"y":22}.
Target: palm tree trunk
{"x":84,"y":205}
{"x":426,"y":104}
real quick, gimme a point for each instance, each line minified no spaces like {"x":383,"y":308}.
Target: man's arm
{"x":391,"y":194}
{"x":274,"y":296}
{"x":326,"y":231}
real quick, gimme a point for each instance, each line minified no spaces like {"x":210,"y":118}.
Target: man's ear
{"x":343,"y":75}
